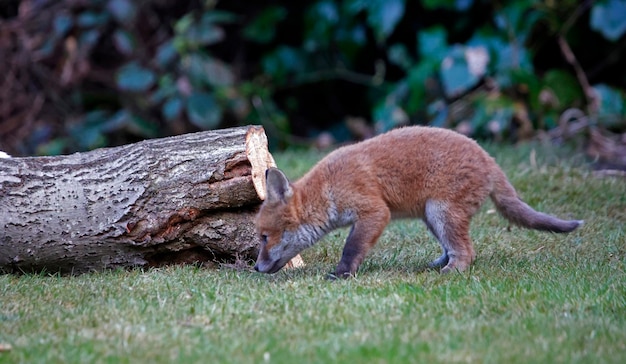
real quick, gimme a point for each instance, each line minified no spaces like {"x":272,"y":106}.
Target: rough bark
{"x":179,"y":199}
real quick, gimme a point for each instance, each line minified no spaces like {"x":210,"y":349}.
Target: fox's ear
{"x":277,"y":184}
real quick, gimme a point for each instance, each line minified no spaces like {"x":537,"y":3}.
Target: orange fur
{"x":437,"y":175}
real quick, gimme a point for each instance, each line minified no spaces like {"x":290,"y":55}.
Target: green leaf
{"x":48,"y":47}
{"x":135,"y":78}
{"x":399,"y":55}
{"x":166,"y":88}
{"x":283,"y":61}
{"x":53,"y":147}
{"x":62,"y":24}
{"x":389,"y":115}
{"x":517,"y":19}
{"x":183,"y":24}
{"x":530,"y":84}
{"x":432,"y":43}
{"x":551,"y":119}
{"x":219,"y":16}
{"x":263,"y":28}
{"x":218,"y":73}
{"x":382,"y":15}
{"x":438,"y":111}
{"x":417,"y":81}
{"x":95,"y":118}
{"x":142,"y":127}
{"x":166,"y":54}
{"x":463,"y":5}
{"x":321,"y":28}
{"x":90,"y":19}
{"x":124,"y":42}
{"x":204,"y":34}
{"x":115,"y":122}
{"x":609,"y":18}
{"x":511,"y":58}
{"x":462,"y":68}
{"x":88,"y":132}
{"x":326,"y":12}
{"x":209,"y":70}
{"x":203,"y":111}
{"x":459,"y":5}
{"x":88,"y":39}
{"x":194,"y":33}
{"x":172,"y":108}
{"x":612,"y":105}
{"x":492,"y":115}
{"x":123,"y":11}
{"x":564,"y":86}
{"x":350,"y":40}
{"x":506,"y":59}
{"x":501,"y":111}
{"x":354,"y":7}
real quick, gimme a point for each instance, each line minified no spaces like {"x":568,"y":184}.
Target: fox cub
{"x":434,"y":174}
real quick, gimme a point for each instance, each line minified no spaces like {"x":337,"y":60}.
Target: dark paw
{"x":439,"y":263}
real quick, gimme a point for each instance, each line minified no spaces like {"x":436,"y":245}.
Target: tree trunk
{"x":190,"y":198}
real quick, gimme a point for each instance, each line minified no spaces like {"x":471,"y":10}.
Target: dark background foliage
{"x":82,"y":74}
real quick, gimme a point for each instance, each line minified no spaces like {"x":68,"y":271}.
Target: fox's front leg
{"x":362,"y":237}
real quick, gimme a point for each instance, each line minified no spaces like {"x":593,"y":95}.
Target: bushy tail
{"x":518,"y":212}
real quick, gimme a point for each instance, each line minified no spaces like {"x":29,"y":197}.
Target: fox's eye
{"x":263,"y":239}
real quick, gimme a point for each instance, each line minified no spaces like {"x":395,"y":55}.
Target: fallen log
{"x":189,"y":198}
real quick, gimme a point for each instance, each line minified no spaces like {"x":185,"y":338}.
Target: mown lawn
{"x":531,"y":297}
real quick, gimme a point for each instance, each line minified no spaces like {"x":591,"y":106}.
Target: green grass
{"x":531,"y":297}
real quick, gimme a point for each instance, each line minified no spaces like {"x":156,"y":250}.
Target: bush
{"x":93,"y":73}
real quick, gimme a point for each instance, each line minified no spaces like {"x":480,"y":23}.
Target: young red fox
{"x":437,"y":175}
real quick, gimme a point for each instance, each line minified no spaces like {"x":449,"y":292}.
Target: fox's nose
{"x":256,"y":267}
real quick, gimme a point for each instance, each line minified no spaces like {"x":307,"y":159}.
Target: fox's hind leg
{"x":451,"y":228}
{"x":443,"y":259}
{"x":440,"y":262}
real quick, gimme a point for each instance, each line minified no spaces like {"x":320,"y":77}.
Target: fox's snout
{"x":261,"y":266}
{"x":263,"y":262}
{"x":270,"y":267}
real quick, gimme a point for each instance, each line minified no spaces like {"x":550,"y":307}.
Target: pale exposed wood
{"x":260,"y":159}
{"x":179,"y":199}
{"x":296,"y":262}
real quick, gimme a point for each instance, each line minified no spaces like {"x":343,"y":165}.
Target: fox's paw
{"x":455,"y":265}
{"x":337,"y":275}
{"x":440,"y":262}
{"x":447,"y":269}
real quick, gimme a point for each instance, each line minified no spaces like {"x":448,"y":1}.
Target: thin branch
{"x":571,"y":122}
{"x":341,"y":74}
{"x":590,"y":95}
{"x":580,"y":10}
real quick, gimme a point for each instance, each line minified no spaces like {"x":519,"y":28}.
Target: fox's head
{"x":279,"y":225}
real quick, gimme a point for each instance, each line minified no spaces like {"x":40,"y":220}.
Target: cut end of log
{"x":296,"y":262}
{"x":259,"y":157}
